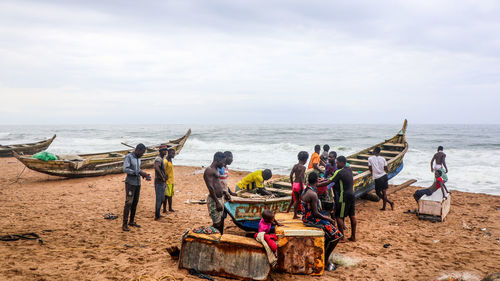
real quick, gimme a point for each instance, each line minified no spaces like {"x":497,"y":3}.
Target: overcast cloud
{"x":249,"y":62}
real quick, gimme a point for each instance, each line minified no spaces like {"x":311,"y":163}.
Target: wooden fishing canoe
{"x":96,"y":164}
{"x":27,"y":148}
{"x":246,"y":212}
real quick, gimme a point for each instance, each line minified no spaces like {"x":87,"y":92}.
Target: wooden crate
{"x":225,"y":255}
{"x":434,"y":207}
{"x":300,"y":248}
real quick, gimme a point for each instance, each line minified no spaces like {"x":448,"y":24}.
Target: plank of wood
{"x":402,"y":186}
{"x":390,"y":152}
{"x":358,"y":167}
{"x":369,"y":155}
{"x":282,"y":184}
{"x":280,"y":190}
{"x":357,"y":160}
{"x":394,"y":144}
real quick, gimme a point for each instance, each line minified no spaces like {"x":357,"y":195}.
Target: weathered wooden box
{"x":300,"y":248}
{"x":225,"y":255}
{"x":434,"y":207}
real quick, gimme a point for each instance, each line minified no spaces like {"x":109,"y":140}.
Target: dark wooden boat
{"x":246,"y":212}
{"x":96,"y":164}
{"x":26,"y":148}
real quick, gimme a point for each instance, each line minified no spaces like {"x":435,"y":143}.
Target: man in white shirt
{"x":378,"y":167}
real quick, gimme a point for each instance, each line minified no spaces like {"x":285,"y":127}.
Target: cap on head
{"x":267,"y":214}
{"x":342,"y":159}
{"x":163,"y":148}
{"x":219,"y":156}
{"x":312,"y":178}
{"x":333,"y":154}
{"x":303,"y":155}
{"x":140,"y":147}
{"x":267,"y":174}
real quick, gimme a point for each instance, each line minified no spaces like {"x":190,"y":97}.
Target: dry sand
{"x":79,"y":244}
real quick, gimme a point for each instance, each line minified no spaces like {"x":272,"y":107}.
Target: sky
{"x":231,"y":62}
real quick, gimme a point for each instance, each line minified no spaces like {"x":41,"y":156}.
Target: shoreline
{"x":80,"y":244}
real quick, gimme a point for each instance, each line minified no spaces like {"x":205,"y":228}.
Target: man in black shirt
{"x":344,"y":195}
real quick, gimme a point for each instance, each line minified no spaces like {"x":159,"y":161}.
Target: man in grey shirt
{"x":132,"y":167}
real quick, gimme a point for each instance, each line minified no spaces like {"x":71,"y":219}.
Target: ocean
{"x":473,"y":151}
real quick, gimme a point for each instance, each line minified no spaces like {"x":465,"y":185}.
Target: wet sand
{"x":79,"y":244}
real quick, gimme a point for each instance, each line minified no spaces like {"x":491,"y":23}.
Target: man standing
{"x":315,"y":159}
{"x":440,"y":158}
{"x":160,"y":180}
{"x":132,"y":167}
{"x":169,"y":171}
{"x":224,"y":172}
{"x":378,"y":167}
{"x":344,"y":196}
{"x":217,"y":194}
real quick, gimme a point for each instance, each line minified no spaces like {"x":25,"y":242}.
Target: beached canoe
{"x":246,"y":212}
{"x":96,"y":164}
{"x":26,"y":148}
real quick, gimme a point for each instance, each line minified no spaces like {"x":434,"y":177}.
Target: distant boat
{"x":27,"y":148}
{"x":246,"y":212}
{"x":96,"y":164}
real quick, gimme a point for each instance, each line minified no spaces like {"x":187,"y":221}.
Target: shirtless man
{"x":298,"y":181}
{"x":440,"y":158}
{"x":217,"y":194}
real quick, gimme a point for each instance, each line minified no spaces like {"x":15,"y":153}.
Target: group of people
{"x":164,"y":183}
{"x":325,"y":198}
{"x":216,"y":179}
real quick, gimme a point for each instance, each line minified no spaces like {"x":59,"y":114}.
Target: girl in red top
{"x":438,"y":184}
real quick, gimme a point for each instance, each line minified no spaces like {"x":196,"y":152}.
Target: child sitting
{"x":438,"y":184}
{"x":265,"y":237}
{"x":299,"y":170}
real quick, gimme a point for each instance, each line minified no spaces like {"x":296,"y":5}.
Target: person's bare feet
{"x":342,"y":240}
{"x":158,"y":218}
{"x":171,"y":210}
{"x":392,"y":205}
{"x":382,"y":209}
{"x":164,"y":211}
{"x":352,"y":239}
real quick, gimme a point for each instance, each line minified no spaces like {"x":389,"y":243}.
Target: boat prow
{"x":26,"y":148}
{"x":246,"y":213}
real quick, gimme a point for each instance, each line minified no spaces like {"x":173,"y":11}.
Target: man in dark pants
{"x":132,"y":167}
{"x":344,"y":196}
{"x":378,"y":167}
{"x":160,"y":180}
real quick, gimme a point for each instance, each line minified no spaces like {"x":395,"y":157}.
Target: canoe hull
{"x":28,"y":149}
{"x":97,"y":164}
{"x":227,"y":255}
{"x":246,"y":214}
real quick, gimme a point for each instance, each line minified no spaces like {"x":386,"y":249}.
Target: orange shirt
{"x":314,"y":160}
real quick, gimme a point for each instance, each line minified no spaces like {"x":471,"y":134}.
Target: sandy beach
{"x":79,"y":244}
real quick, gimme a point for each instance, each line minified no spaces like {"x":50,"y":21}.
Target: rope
{"x":19,"y":175}
{"x":169,"y":277}
{"x":24,"y":236}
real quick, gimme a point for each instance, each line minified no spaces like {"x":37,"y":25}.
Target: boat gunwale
{"x":26,"y":146}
